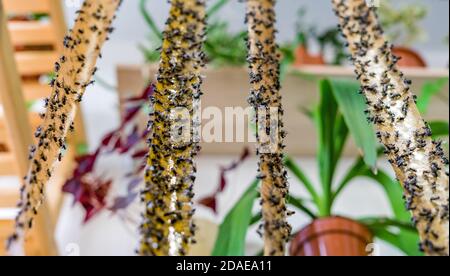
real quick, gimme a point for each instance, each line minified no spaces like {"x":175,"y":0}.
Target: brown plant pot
{"x":333,"y":236}
{"x":303,"y":57}
{"x":409,"y":57}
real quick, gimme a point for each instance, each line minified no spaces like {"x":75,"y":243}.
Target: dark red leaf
{"x":85,"y":163}
{"x":148,"y":91}
{"x":91,"y":192}
{"x":132,"y":139}
{"x":136,"y":104}
{"x":223,"y":183}
{"x":210,"y":202}
{"x":140,"y":154}
{"x":133,"y":184}
{"x":107,"y":139}
{"x":74,"y":187}
{"x":131,"y":113}
{"x":121,"y":203}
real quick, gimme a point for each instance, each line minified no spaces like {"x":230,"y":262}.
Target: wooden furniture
{"x":31,"y":38}
{"x":37,"y":29}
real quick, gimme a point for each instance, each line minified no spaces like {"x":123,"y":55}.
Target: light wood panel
{"x":3,"y":136}
{"x":7,"y":164}
{"x":33,"y":119}
{"x":57,"y":19}
{"x":9,"y":197}
{"x":6,"y":228}
{"x":32,"y":63}
{"x":27,"y":6}
{"x":31,"y":33}
{"x":33,"y":90}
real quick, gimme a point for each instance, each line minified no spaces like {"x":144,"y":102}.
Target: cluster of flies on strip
{"x":264,"y":76}
{"x":63,"y":96}
{"x":179,"y":77}
{"x":362,"y":25}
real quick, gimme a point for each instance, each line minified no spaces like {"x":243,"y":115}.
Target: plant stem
{"x":255,"y":219}
{"x":149,"y":20}
{"x":298,"y":203}
{"x":74,"y":71}
{"x":387,"y":222}
{"x":167,"y":227}
{"x":418,"y":161}
{"x":265,"y":98}
{"x":355,"y":171}
{"x":216,"y":7}
{"x":290,"y":164}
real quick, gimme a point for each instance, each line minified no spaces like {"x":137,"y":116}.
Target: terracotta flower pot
{"x":334,"y":236}
{"x":303,"y":57}
{"x":409,"y":57}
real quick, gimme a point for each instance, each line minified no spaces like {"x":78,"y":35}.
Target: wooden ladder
{"x":31,"y":38}
{"x":37,"y":29}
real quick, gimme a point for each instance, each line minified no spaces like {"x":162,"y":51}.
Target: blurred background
{"x":312,"y":50}
{"x":132,"y":32}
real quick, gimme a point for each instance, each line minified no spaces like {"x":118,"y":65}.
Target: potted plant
{"x":305,"y":33}
{"x":222,"y":48}
{"x":314,"y":239}
{"x":403,"y":132}
{"x":337,"y":117}
{"x":330,"y":234}
{"x":403,"y":29}
{"x":331,"y":46}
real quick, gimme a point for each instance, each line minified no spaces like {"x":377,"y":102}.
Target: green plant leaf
{"x":393,"y":191}
{"x":301,"y":176}
{"x":429,"y":89}
{"x":439,"y":128}
{"x":223,"y":47}
{"x":233,"y":230}
{"x":256,"y":218}
{"x":397,"y":239}
{"x":352,"y":106}
{"x":341,"y":134}
{"x":325,"y":120}
{"x":307,"y":112}
{"x":216,"y":7}
{"x":388,"y":236}
{"x":149,"y":19}
{"x":300,"y":204}
{"x":408,"y":240}
{"x":356,"y":170}
{"x":402,"y":24}
{"x":387,"y":222}
{"x":82,"y":149}
{"x":288,"y":58}
{"x":404,"y":238}
{"x":150,"y":55}
{"x":30,"y":104}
